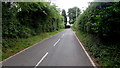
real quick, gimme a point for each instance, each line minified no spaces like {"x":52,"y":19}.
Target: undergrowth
{"x":105,"y":52}
{"x":12,"y":46}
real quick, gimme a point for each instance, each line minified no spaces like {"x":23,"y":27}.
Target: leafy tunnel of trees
{"x":25,"y":19}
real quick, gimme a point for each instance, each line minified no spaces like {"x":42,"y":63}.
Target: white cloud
{"x":65,"y":4}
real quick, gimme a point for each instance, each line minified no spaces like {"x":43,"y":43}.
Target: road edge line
{"x":21,"y":51}
{"x":62,"y":36}
{"x":85,"y":52}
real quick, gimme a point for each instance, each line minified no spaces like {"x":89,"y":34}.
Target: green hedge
{"x":101,"y":18}
{"x":29,"y":18}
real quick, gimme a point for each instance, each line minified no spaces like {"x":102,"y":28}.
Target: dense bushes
{"x":13,"y":45}
{"x":25,"y":19}
{"x":105,"y":53}
{"x":101,"y":18}
{"x":99,"y":29}
{"x":26,"y":23}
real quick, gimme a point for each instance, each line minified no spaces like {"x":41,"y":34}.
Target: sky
{"x":82,"y":4}
{"x":66,"y":4}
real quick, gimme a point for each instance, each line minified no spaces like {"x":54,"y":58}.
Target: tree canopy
{"x":72,"y":13}
{"x":64,"y":17}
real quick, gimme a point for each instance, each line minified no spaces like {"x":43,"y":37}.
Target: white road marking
{"x":20,"y":52}
{"x":24,"y":50}
{"x":62,"y":36}
{"x":85,"y":52}
{"x":56,"y":42}
{"x":41,"y":60}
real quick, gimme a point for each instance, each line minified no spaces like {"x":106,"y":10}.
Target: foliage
{"x":64,"y":17}
{"x":25,"y":19}
{"x":101,"y":19}
{"x":12,"y":46}
{"x":99,"y":30}
{"x":25,"y":23}
{"x":105,"y":53}
{"x":72,"y":13}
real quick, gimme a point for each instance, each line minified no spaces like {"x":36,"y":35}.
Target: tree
{"x":73,"y":13}
{"x":64,"y":17}
{"x":25,"y":19}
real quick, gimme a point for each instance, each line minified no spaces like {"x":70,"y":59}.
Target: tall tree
{"x":72,"y":13}
{"x":64,"y":17}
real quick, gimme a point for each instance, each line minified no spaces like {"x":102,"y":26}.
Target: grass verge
{"x":105,"y":53}
{"x":12,"y":46}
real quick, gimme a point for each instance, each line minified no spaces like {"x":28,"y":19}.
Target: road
{"x":62,"y":49}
